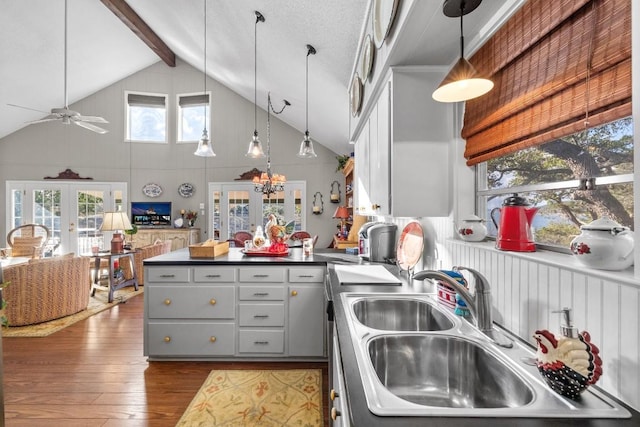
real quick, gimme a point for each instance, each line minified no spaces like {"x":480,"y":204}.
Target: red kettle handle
{"x":492,"y":218}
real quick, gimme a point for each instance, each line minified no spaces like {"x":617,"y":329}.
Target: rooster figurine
{"x":570,"y":363}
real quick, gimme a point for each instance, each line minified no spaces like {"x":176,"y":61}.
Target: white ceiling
{"x":102,"y":50}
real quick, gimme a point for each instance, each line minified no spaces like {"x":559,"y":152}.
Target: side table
{"x":114,"y":284}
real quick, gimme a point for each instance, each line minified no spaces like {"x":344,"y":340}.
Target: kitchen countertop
{"x":236,"y":257}
{"x":359,"y":412}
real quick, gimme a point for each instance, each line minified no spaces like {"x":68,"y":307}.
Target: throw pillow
{"x":25,"y":246}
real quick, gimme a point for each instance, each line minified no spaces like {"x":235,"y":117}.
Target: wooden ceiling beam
{"x":131,"y":19}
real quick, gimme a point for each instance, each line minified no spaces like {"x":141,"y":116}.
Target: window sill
{"x":555,"y":259}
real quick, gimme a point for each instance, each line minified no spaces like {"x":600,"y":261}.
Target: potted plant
{"x":131,"y":232}
{"x":342,"y":160}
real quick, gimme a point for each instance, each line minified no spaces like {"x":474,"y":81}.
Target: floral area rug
{"x":97,"y":304}
{"x":264,"y":398}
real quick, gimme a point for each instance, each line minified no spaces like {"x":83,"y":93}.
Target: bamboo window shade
{"x":538,"y":61}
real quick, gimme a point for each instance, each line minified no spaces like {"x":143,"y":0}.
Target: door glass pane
{"x":239,"y":219}
{"x":90,"y":212}
{"x":18,"y":207}
{"x":273,"y":205}
{"x":297,"y":209}
{"x":46,"y":211}
{"x":216,"y":215}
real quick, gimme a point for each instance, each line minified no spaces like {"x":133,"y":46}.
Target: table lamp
{"x":116,"y":222}
{"x":342,"y":213}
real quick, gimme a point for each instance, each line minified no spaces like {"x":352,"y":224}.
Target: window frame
{"x":127,"y":115}
{"x":207,"y":119}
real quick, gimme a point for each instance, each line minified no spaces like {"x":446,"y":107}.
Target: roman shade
{"x":538,"y":61}
{"x":149,"y":101}
{"x":193,"y":100}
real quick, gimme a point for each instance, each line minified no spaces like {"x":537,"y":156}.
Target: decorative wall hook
{"x":317,"y":208}
{"x":335,"y":195}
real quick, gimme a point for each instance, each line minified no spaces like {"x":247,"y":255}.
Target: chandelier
{"x":269,"y":183}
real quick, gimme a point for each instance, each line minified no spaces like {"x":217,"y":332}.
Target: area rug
{"x":261,"y":398}
{"x":97,"y":304}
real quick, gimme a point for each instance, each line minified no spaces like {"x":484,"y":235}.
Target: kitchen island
{"x":235,"y":307}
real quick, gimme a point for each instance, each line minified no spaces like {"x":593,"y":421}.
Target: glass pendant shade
{"x":306,"y":147}
{"x":461,"y":84}
{"x":255,"y":147}
{"x":204,"y":146}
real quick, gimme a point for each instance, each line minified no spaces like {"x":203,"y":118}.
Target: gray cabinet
{"x":402,"y":151}
{"x":226,"y":312}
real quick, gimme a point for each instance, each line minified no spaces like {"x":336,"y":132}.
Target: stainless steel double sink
{"x":417,"y":358}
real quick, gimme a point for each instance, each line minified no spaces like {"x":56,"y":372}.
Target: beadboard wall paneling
{"x":526,"y":292}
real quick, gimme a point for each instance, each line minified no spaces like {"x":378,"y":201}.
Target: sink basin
{"x":445,"y":371}
{"x":416,"y":358}
{"x":400,"y":315}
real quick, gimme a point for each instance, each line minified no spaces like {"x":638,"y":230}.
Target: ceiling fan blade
{"x":27,"y":108}
{"x":49,"y":118}
{"x":90,"y":126}
{"x":94,"y":119}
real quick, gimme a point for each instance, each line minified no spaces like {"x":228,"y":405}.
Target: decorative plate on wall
{"x":384,"y":11}
{"x":185,"y":189}
{"x":356,"y":95}
{"x":152,"y":190}
{"x":366,"y":58}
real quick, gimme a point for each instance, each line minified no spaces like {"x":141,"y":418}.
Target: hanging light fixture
{"x":269,"y":183}
{"x":204,"y":145}
{"x":255,"y":146}
{"x":306,"y":146}
{"x":463,"y":82}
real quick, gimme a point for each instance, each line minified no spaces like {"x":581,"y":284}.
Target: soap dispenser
{"x":569,"y":363}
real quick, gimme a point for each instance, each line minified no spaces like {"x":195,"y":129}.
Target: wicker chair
{"x":148,"y":251}
{"x":46,"y":289}
{"x":28,"y":240}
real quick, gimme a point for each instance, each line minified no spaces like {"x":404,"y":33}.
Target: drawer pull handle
{"x":167,"y":302}
{"x":167,"y":276}
{"x":260,"y":275}
{"x":212,"y":276}
{"x":333,"y":394}
{"x":213,"y":301}
{"x":335,"y":413}
{"x":261,"y":342}
{"x":306,"y":276}
{"x":212,"y":339}
{"x":167,"y":339}
{"x":294,"y":293}
{"x":260,"y":294}
{"x":261,"y":316}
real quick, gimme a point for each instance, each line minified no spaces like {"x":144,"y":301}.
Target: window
{"x":193,"y":115}
{"x":146,"y":117}
{"x":554,"y":178}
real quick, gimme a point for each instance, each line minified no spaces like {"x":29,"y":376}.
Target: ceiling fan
{"x":65,"y":114}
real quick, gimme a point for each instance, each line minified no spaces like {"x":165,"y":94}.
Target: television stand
{"x":180,"y":237}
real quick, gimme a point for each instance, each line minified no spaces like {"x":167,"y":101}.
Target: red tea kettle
{"x":514,"y":231}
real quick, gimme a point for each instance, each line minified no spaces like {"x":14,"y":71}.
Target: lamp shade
{"x":204,"y":146}
{"x":462,"y":83}
{"x":341,"y":213}
{"x":255,"y":148}
{"x":115,"y":221}
{"x":306,"y":147}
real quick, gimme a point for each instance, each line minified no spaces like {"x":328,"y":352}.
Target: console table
{"x":114,"y":283}
{"x":180,"y":237}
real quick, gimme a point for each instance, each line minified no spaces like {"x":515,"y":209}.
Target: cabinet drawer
{"x":261,"y":293}
{"x":261,"y":341}
{"x":306,"y":275}
{"x":260,"y":275}
{"x":190,"y":302}
{"x":261,"y":314}
{"x":207,"y":274}
{"x":166,"y":274}
{"x":190,"y":339}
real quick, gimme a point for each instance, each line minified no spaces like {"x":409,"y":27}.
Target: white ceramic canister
{"x":472,"y":229}
{"x":604,"y":244}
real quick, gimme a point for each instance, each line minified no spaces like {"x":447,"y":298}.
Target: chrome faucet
{"x":479,"y":303}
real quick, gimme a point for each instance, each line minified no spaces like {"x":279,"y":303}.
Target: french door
{"x":71,"y":210}
{"x":236,"y":206}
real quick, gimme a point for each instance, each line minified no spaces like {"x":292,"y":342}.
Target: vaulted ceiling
{"x":102,"y":50}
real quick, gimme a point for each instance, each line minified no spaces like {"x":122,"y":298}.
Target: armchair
{"x":28,"y":240}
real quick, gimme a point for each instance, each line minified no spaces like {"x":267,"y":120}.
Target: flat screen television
{"x":151,"y":214}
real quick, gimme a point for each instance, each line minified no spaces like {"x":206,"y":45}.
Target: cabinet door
{"x":361,"y":172}
{"x":379,"y":163}
{"x":306,"y":320}
{"x":179,"y":239}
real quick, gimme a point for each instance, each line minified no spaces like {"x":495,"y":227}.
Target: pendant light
{"x":255,"y":146}
{"x":204,"y":145}
{"x":306,"y":146}
{"x":463,"y":82}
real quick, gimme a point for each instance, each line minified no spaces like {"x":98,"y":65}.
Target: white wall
{"x":46,"y":149}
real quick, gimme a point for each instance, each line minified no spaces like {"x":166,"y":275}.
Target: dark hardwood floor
{"x":93,"y":373}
